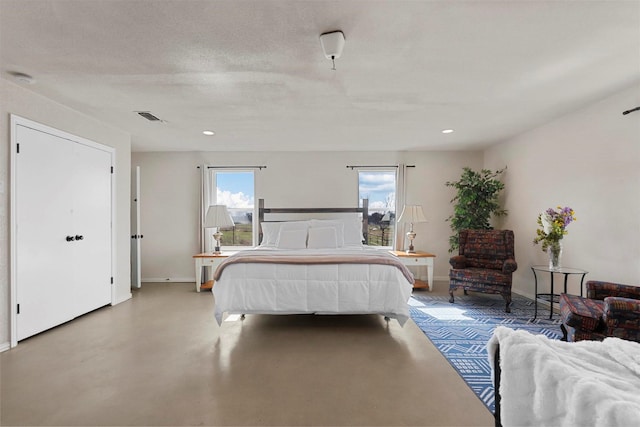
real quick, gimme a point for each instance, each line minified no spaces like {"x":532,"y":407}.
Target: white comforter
{"x":256,"y":288}
{"x":553,"y":383}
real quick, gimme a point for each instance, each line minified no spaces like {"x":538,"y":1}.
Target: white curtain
{"x":401,"y":193}
{"x":205,"y":201}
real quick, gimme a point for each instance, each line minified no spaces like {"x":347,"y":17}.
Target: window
{"x":235,"y":190}
{"x":379,"y":186}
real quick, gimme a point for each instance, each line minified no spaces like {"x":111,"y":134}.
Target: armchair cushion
{"x":481,"y":276}
{"x":610,"y":310}
{"x":581,"y":313}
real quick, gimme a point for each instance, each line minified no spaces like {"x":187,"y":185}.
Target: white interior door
{"x":91,"y":228}
{"x":43,"y":224}
{"x":136,"y":232}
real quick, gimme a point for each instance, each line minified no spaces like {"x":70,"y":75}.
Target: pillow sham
{"x":322,"y":238}
{"x":271,"y":230}
{"x":350,"y":234}
{"x":336,"y":224}
{"x":292,"y":239}
{"x":353,"y":232}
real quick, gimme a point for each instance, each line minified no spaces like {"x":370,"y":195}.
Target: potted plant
{"x":475,"y":202}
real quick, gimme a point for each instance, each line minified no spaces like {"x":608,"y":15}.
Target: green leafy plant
{"x":475,"y":202}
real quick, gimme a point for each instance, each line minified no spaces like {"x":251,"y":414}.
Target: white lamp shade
{"x":218,"y":216}
{"x":412,"y":214}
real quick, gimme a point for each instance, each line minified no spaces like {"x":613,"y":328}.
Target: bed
{"x":545,"y":382}
{"x":313,"y":266}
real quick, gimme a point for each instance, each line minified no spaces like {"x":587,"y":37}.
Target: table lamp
{"x":218,"y":217}
{"x":411,"y":214}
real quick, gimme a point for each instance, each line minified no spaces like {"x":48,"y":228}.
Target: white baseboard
{"x":169,"y":279}
{"x":5,"y":346}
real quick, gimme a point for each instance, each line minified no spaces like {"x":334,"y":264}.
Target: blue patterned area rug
{"x":460,"y":331}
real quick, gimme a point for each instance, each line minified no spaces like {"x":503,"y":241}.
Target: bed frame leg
{"x":242,"y":317}
{"x":387,"y":319}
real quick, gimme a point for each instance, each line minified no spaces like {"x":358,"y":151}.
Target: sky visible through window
{"x":235,"y":189}
{"x":380,"y":188}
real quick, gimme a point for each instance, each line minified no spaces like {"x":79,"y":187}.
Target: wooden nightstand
{"x":208,"y":260}
{"x":418,"y":258}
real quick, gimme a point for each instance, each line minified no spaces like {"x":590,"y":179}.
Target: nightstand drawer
{"x":416,"y":261}
{"x":210,"y":262}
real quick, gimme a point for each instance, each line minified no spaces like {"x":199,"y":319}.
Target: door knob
{"x":79,"y":237}
{"x":70,"y":238}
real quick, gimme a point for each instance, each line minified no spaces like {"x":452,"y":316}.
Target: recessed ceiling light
{"x":447,"y":131}
{"x":208,"y":132}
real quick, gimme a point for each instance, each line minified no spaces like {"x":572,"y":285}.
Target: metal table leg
{"x":551,"y":299}
{"x":535,"y":295}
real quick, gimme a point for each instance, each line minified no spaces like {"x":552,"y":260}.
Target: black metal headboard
{"x":364,"y":210}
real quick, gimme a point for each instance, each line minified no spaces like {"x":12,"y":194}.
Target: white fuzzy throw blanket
{"x":547,"y":382}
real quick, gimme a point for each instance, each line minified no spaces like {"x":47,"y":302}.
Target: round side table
{"x":553,"y":297}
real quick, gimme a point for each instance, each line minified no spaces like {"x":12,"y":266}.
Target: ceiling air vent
{"x":147,"y":115}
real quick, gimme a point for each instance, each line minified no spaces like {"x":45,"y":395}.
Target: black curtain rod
{"x":380,"y":166}
{"x":624,"y":113}
{"x":235,"y":167}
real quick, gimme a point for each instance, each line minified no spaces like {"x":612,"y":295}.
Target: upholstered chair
{"x":609,"y":310}
{"x":485,"y":263}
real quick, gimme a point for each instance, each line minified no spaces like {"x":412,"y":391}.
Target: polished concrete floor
{"x":161,"y":359}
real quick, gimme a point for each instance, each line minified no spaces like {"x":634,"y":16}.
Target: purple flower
{"x":553,"y":224}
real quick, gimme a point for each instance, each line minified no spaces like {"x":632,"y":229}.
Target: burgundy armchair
{"x":609,"y":310}
{"x":485,"y":263}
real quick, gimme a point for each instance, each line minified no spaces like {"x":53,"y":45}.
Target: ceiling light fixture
{"x":447,"y":131}
{"x":22,"y":77}
{"x":208,"y":132}
{"x":332,"y":44}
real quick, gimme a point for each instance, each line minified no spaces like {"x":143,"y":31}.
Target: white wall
{"x":18,"y":100}
{"x":170,"y":185}
{"x":588,"y":160}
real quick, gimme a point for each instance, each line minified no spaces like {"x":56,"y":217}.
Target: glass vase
{"x":555,"y":255}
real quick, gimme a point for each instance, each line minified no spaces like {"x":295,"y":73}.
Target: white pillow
{"x":351,"y":230}
{"x":337,"y":224}
{"x":322,"y":238}
{"x":271,"y":230}
{"x":292,"y":239}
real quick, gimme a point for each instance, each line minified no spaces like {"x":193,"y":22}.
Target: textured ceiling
{"x":254,"y":71}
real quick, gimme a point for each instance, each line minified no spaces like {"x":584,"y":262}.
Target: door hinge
{"x":111,"y":169}
{"x":18,"y":148}
{"x":112,"y":280}
{"x":18,"y":308}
